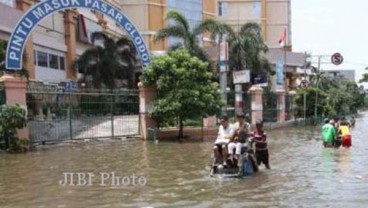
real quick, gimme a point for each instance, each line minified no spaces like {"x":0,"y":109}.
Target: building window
{"x":54,"y":61}
{"x":42,"y":59}
{"x":222,"y":9}
{"x":49,"y":60}
{"x":62,"y":63}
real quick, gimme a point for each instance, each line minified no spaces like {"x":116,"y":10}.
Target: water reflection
{"x":303,"y":174}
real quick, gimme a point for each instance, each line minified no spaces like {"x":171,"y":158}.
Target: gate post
{"x":280,"y":105}
{"x":257,"y":105}
{"x":146,"y":97}
{"x":15,"y":93}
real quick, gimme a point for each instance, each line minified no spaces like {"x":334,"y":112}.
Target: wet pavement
{"x":303,"y":174}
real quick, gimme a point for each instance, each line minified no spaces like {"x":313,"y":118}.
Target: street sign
{"x":337,"y":59}
{"x":304,"y":84}
{"x":71,"y":86}
{"x":259,"y":78}
{"x":240,"y":77}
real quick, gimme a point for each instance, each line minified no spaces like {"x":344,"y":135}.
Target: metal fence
{"x":2,"y":95}
{"x":269,"y":100}
{"x":289,"y":106}
{"x":56,"y":115}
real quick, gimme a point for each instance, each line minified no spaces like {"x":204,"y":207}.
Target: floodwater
{"x":303,"y":174}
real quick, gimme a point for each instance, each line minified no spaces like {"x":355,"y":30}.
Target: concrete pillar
{"x":28,"y":54}
{"x":209,"y":121}
{"x":280,"y":105}
{"x":146,"y":97}
{"x":15,"y":91}
{"x":70,"y":17}
{"x":257,"y":105}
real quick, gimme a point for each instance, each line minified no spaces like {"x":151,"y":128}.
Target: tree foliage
{"x":13,"y":117}
{"x":365,"y":77}
{"x":184,"y":88}
{"x":114,"y":59}
{"x":335,"y":97}
{"x":323,"y":109}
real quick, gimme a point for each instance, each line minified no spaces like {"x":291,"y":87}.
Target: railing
{"x":56,"y":115}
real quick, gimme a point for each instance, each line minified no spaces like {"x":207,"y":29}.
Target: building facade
{"x":63,"y":36}
{"x":343,"y":74}
{"x":149,"y":16}
{"x":274,"y":17}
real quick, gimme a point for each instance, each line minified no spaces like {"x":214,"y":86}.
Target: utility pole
{"x":224,"y":57}
{"x":305,"y":78}
{"x":317,"y":83}
{"x":239,"y":105}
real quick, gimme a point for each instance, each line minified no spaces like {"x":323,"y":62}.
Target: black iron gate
{"x":56,"y":115}
{"x":269,"y":100}
{"x":2,"y":95}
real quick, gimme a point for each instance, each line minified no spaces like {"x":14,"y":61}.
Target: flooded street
{"x":303,"y":174}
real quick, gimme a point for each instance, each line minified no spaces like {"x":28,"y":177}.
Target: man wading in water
{"x":328,"y":133}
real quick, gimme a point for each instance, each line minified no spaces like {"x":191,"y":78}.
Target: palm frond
{"x":171,"y":31}
{"x":178,"y":18}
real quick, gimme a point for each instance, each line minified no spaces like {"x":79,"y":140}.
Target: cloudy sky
{"x":324,"y":27}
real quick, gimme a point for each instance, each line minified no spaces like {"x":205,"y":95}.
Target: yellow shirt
{"x":344,"y":130}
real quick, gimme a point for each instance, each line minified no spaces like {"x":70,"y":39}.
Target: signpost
{"x":337,"y":59}
{"x":304,"y":84}
{"x":241,"y":77}
{"x":259,"y":78}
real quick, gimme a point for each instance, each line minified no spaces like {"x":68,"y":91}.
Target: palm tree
{"x":181,"y":30}
{"x":245,"y":47}
{"x":107,"y":62}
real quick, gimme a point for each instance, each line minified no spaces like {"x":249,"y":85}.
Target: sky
{"x":323,"y":27}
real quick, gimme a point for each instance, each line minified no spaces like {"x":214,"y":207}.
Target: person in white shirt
{"x":241,"y":132}
{"x":225,"y":133}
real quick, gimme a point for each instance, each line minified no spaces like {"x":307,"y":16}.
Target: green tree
{"x":114,"y":59}
{"x":365,"y":77}
{"x":345,"y":97}
{"x":184,"y":88}
{"x":13,"y":117}
{"x":323,"y":107}
{"x":180,"y":29}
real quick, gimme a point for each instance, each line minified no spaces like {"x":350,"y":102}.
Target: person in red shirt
{"x":260,"y":140}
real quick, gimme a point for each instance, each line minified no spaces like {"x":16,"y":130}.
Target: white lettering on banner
{"x":56,"y":4}
{"x":38,"y":13}
{"x":96,"y":5}
{"x":104,"y":8}
{"x":48,"y":8}
{"x":118,"y":17}
{"x":27,"y":23}
{"x":43,"y":8}
{"x":87,"y":3}
{"x":111,"y":12}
